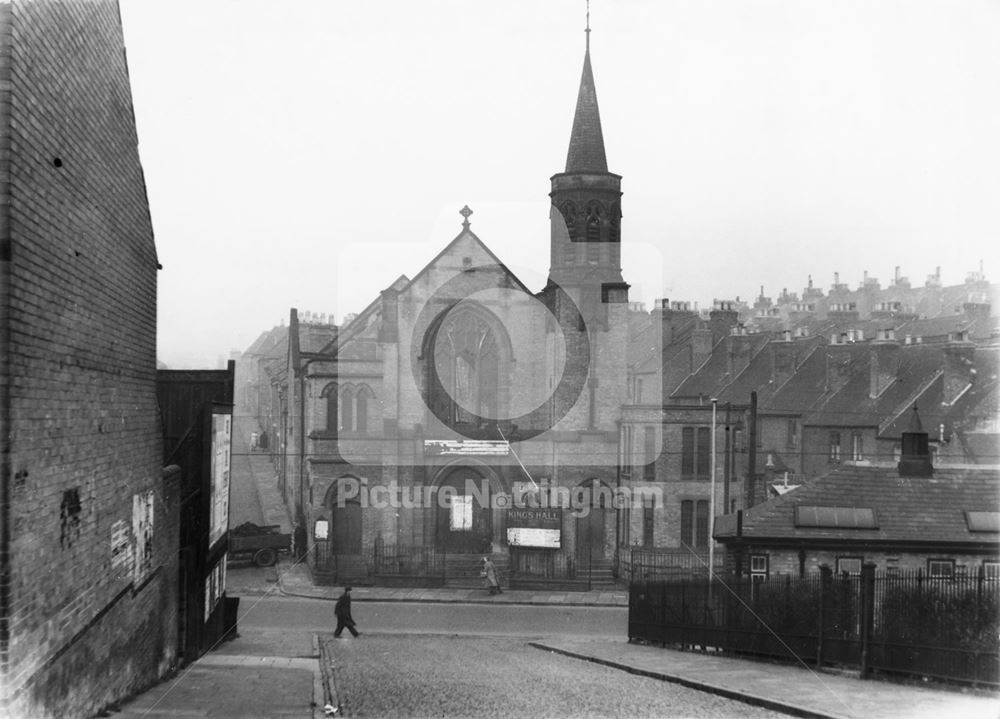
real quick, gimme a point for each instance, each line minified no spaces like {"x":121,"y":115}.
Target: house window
{"x":649,"y":454}
{"x":941,"y":568}
{"x":461,"y":513}
{"x":695,"y":453}
{"x":991,"y":571}
{"x":701,"y":525}
{"x":857,"y":447}
{"x":849,"y":565}
{"x":647,"y":522}
{"x":626,"y":451}
{"x":702,"y":460}
{"x":834,"y":455}
{"x":694,"y":524}
{"x":793,"y":433}
{"x":758,"y":567}
{"x":687,"y":523}
{"x":687,"y":453}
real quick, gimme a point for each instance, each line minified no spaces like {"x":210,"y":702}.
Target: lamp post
{"x":711,"y":496}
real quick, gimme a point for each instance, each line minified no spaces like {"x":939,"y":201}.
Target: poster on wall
{"x":142,"y":536}
{"x":531,"y":527}
{"x":121,"y":551}
{"x":222,"y":424}
{"x":215,"y":587}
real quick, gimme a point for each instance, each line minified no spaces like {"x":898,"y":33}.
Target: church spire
{"x":585,"y":245}
{"x":586,"y":143}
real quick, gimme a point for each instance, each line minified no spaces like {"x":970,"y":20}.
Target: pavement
{"x":796,"y":690}
{"x":263,"y":674}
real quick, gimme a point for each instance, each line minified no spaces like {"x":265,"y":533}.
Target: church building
{"x":463,"y":414}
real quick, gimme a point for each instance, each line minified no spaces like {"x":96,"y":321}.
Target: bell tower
{"x":586,"y":203}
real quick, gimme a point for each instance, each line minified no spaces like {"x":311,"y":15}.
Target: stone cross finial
{"x":465,"y":212}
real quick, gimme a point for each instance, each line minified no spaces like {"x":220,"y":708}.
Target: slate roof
{"x":586,"y":144}
{"x":713,"y":376}
{"x":758,"y":376}
{"x":908,"y":510}
{"x":805,"y":389}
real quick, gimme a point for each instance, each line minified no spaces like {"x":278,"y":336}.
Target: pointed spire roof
{"x":586,"y":144}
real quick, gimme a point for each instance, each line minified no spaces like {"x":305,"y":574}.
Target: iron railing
{"x":907,"y":624}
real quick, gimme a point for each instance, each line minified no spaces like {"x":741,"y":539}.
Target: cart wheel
{"x":265,"y":557}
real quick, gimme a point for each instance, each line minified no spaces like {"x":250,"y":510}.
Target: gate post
{"x":824,"y":591}
{"x":867,"y":616}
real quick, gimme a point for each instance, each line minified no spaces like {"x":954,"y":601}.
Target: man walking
{"x":342,"y":609}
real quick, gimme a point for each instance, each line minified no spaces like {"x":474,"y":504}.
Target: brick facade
{"x":83,"y":623}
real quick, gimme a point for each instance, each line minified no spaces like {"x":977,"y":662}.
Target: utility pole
{"x":711,"y":496}
{"x":751,"y":487}
{"x":727,"y":467}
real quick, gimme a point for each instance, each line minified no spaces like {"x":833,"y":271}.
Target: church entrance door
{"x":464,"y":525}
{"x":346,"y":535}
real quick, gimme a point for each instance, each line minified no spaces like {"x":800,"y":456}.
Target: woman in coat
{"x":490,"y":578}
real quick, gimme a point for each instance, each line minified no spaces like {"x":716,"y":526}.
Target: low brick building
{"x":904,"y":517}
{"x":88,"y":520}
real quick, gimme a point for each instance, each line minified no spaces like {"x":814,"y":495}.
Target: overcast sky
{"x":305,"y":153}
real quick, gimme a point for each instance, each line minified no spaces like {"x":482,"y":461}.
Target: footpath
{"x":278,"y":673}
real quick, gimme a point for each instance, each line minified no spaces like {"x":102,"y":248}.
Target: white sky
{"x":304,"y":153}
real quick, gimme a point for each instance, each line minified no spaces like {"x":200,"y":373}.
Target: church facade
{"x":462,"y":413}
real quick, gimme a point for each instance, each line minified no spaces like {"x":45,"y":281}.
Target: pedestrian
{"x":490,"y":578}
{"x":253,"y":441}
{"x":342,"y":609}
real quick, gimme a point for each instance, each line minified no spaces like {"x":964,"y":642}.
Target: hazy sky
{"x":305,"y":153}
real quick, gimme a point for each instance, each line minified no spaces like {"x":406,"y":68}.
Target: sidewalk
{"x":795,"y":690}
{"x":295,"y":580}
{"x":262,"y":673}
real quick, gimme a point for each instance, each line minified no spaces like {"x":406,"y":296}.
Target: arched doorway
{"x":591,"y":526}
{"x":464,"y":525}
{"x":345,"y":522}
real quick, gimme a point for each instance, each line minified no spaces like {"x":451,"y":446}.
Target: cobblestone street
{"x":451,"y":676}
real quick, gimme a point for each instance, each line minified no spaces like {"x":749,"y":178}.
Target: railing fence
{"x":909,"y":624}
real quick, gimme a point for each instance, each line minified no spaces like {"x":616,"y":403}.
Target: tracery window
{"x":467,"y":360}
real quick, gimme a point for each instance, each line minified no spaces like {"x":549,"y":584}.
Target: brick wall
{"x":81,"y":628}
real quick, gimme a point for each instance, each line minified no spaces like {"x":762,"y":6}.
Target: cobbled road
{"x":416,"y":675}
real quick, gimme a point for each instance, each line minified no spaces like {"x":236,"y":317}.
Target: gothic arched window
{"x":568,"y":211}
{"x":347,"y":409}
{"x":362,"y":401}
{"x":468,"y":348}
{"x":593,"y":222}
{"x":332,"y":405}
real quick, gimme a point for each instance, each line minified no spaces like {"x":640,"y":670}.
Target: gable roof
{"x":402,"y":284}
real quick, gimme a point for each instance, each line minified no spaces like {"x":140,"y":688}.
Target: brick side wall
{"x":80,"y":359}
{"x":786,"y":561}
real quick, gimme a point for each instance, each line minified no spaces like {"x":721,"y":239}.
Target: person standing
{"x":342,"y":610}
{"x":491,"y":579}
